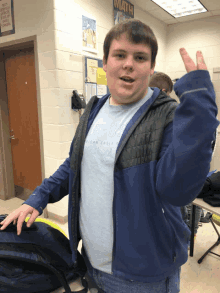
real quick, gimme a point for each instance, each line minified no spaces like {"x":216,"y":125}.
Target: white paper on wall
{"x":5,"y":16}
{"x":90,"y":91}
{"x":101,"y":90}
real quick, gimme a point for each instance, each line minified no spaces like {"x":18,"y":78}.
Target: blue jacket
{"x":156,"y":243}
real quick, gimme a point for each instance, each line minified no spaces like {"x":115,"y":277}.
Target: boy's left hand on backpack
{"x":18,"y":216}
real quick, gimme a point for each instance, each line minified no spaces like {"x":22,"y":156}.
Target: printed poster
{"x":7,"y":26}
{"x":89,"y":34}
{"x":123,"y":10}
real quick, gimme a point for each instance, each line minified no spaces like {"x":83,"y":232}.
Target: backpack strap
{"x":92,"y":284}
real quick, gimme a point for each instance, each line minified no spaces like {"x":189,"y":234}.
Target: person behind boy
{"x":161,"y":81}
{"x":136,"y":158}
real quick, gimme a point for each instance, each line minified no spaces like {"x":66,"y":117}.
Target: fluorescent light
{"x":180,"y":8}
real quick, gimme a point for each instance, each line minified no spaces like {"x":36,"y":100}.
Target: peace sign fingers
{"x":188,"y":62}
{"x":200,"y":61}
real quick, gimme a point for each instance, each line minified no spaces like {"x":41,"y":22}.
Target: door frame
{"x":5,"y":148}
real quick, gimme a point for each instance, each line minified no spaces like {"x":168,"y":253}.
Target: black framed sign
{"x":123,"y":10}
{"x":7,"y":22}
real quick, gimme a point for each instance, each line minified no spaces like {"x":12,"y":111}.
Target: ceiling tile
{"x":215,"y":12}
{"x":147,"y":5}
{"x":194,"y":17}
{"x":213,"y":7}
{"x":161,"y":14}
{"x":211,"y":4}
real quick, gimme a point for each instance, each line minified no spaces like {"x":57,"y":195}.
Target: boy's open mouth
{"x":127,"y":79}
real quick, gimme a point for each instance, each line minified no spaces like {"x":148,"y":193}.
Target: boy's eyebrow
{"x":123,"y":51}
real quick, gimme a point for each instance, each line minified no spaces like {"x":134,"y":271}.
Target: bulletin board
{"x":95,"y":78}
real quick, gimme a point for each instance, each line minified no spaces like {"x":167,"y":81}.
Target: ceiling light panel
{"x":180,"y":8}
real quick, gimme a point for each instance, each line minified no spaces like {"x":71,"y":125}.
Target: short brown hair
{"x":137,"y":32}
{"x":162,"y":81}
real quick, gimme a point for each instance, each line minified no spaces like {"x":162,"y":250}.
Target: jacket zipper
{"x":113,"y":216}
{"x":74,"y":230}
{"x":174,"y":238}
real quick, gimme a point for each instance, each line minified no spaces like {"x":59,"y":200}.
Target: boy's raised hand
{"x":188,"y":62}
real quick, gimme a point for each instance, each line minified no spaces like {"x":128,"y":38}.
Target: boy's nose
{"x":128,"y":63}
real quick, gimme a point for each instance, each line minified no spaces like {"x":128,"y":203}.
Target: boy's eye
{"x":140,"y":58}
{"x":120,"y":55}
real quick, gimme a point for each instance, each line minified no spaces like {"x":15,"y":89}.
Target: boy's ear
{"x":152,"y":69}
{"x":104,"y":64}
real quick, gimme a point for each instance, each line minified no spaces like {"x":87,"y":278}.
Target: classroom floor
{"x":195,"y":278}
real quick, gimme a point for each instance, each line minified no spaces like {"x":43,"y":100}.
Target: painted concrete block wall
{"x":196,"y":35}
{"x":33,"y":18}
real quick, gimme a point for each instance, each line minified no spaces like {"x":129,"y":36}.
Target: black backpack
{"x":39,"y":260}
{"x":211,"y":190}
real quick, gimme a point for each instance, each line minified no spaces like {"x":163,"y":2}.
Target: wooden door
{"x":23,"y":118}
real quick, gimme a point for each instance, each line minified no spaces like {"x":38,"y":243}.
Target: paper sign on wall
{"x":101,"y":90}
{"x":7,"y":26}
{"x":90,"y":91}
{"x":92,"y":66}
{"x":101,"y":76}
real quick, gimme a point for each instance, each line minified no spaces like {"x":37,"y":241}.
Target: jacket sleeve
{"x":53,"y":188}
{"x":186,"y":153}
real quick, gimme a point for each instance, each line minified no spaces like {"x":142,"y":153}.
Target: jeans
{"x":187,"y":215}
{"x":112,"y":284}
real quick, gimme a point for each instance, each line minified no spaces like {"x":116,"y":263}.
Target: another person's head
{"x":130,"y":50}
{"x":161,"y":81}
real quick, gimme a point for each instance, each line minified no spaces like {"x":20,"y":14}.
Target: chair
{"x":213,"y":219}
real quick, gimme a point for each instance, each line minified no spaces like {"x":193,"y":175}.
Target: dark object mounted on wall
{"x":77,"y":101}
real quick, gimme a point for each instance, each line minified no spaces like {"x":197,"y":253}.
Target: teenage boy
{"x":136,"y":158}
